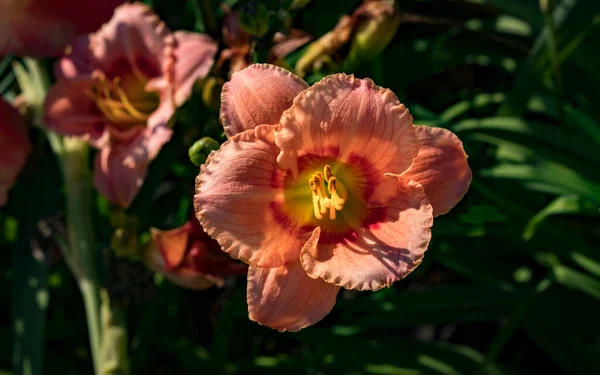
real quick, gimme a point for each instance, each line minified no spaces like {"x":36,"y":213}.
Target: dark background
{"x":510,"y":283}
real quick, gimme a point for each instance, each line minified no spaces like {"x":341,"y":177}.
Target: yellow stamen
{"x":327,"y":172}
{"x":126,"y":103}
{"x":112,"y":100}
{"x":316,"y":198}
{"x":338,"y":194}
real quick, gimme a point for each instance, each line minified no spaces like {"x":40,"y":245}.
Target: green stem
{"x":115,"y":360}
{"x":81,"y":236}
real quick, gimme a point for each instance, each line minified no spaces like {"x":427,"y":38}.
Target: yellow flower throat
{"x":332,"y":198}
{"x":123,"y":104}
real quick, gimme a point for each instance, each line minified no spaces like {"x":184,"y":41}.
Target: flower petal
{"x":171,"y":244}
{"x":121,"y":168}
{"x":45,"y":28}
{"x":14,"y":147}
{"x":257,"y":95}
{"x":441,"y":167}
{"x":184,"y":277}
{"x":236,"y":200}
{"x":134,"y":36}
{"x":77,"y":61}
{"x":380,"y":253}
{"x":194,"y":56}
{"x":353,"y":117}
{"x":70,"y":111}
{"x":165,"y":111}
{"x":286,"y":299}
{"x":190,"y":279}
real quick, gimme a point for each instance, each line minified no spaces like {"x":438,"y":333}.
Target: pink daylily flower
{"x":323,"y":187}
{"x":14,"y":147}
{"x":190,"y":258}
{"x":45,"y":28}
{"x":118,"y":89}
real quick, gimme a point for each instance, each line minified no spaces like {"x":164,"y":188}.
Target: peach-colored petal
{"x":380,"y":253}
{"x":194,"y":56}
{"x":286,"y":299}
{"x":14,"y":147}
{"x":354,"y":117}
{"x":257,"y":95}
{"x":71,"y":111}
{"x":190,"y":279}
{"x":135,"y":38}
{"x":184,"y":277}
{"x":441,"y":167}
{"x":171,"y":244}
{"x":236,"y":197}
{"x":120,"y":168}
{"x":45,"y":28}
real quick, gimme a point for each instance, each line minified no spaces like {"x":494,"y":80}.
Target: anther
{"x":327,"y":172}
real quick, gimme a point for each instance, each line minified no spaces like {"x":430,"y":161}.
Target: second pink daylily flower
{"x":118,"y":88}
{"x":323,"y":187}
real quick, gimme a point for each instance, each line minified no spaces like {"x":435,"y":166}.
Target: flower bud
{"x":124,"y":242}
{"x":378,"y":22}
{"x":201,"y":149}
{"x":298,"y":4}
{"x":326,"y":45}
{"x":254,"y":18}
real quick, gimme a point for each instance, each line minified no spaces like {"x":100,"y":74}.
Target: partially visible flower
{"x":323,"y":187}
{"x":14,"y":147}
{"x":190,"y":258}
{"x":118,"y":89}
{"x":45,"y":28}
{"x":371,"y":27}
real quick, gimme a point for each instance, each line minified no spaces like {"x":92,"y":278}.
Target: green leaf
{"x":465,"y":303}
{"x":566,"y":204}
{"x":575,"y":279}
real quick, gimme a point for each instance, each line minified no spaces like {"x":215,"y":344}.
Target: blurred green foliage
{"x":509,"y":285}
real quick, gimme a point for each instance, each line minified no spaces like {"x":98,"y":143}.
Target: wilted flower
{"x":45,"y":28}
{"x":190,"y":258}
{"x":237,"y":41}
{"x":323,"y":187}
{"x":239,"y":44}
{"x":118,"y":88}
{"x":14,"y":147}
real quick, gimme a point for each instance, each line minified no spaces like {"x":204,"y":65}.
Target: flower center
{"x":335,"y":198}
{"x":123,"y":102}
{"x":323,"y":202}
